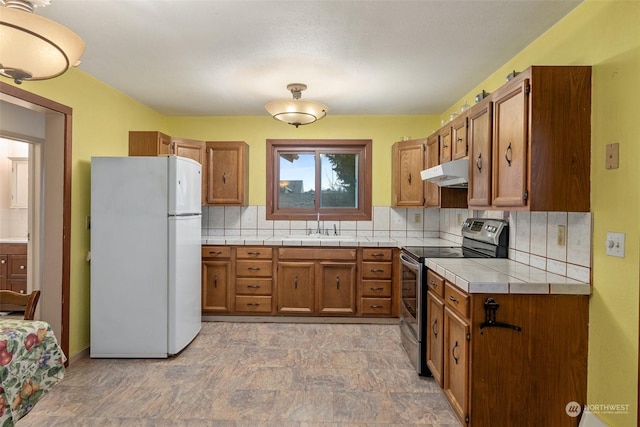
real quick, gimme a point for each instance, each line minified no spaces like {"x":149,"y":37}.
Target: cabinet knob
{"x":22,"y":267}
{"x":2,"y":261}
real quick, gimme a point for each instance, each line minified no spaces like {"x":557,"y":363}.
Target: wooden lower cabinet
{"x":511,"y":359}
{"x":216,"y":279}
{"x":296,"y":287}
{"x":336,"y":287}
{"x":313,"y":281}
{"x":253,"y":280}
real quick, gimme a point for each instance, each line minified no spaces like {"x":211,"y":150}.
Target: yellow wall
{"x":606,"y":35}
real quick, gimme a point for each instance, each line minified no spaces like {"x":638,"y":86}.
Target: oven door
{"x":412,"y":312}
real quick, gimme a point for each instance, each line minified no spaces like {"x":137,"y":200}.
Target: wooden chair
{"x":28,"y":301}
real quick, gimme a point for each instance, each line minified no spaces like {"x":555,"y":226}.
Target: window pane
{"x":339,"y":177}
{"x":297,"y":180}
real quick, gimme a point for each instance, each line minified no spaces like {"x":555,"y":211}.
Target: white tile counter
{"x":389,"y":242}
{"x":481,"y":275}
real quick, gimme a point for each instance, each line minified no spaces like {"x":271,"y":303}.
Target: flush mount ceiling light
{"x":33,"y":47}
{"x":297,"y":112}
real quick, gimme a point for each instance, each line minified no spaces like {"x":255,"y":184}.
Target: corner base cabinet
{"x":510,"y":359}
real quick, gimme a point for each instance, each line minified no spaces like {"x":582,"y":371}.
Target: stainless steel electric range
{"x":481,"y":238}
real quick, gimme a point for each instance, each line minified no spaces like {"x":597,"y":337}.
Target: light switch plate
{"x":615,"y":244}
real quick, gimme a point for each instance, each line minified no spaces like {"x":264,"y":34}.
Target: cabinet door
{"x":189,"y":149}
{"x":459,"y":137}
{"x":435,"y":337}
{"x":215,"y":286}
{"x":409,"y":160}
{"x":149,"y":143}
{"x":17,"y":268}
{"x":433,"y":159}
{"x":456,"y":363}
{"x":337,"y":288}
{"x":480,"y":125}
{"x":225,"y":172}
{"x":510,"y":110}
{"x":445,"y":144}
{"x":295,"y":289}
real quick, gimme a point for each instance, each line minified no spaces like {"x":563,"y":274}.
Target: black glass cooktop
{"x":443,"y":252}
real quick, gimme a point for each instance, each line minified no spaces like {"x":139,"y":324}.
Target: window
{"x":329,"y":177}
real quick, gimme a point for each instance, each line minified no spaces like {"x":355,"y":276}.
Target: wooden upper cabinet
{"x":510,"y":146}
{"x":479,"y":134}
{"x":152,"y":143}
{"x":433,"y":159}
{"x":542,"y":140}
{"x":409,"y":159}
{"x":227,"y":172}
{"x":459,"y":137}
{"x":445,"y":143}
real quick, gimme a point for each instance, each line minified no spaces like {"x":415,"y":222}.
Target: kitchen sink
{"x":316,"y":238}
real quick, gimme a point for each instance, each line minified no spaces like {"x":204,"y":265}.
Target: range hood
{"x":449,"y":174}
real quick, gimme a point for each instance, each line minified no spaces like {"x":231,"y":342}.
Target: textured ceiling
{"x":229,"y":58}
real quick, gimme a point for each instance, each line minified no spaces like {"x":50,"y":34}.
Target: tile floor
{"x":254,"y":374}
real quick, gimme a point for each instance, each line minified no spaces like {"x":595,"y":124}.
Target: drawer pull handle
{"x":452,"y":298}
{"x":338,"y":282}
{"x":295,"y":282}
{"x":409,"y":178}
{"x":507,"y":155}
{"x":377,"y":254}
{"x":215,"y":252}
{"x":253,"y":304}
{"x":378,"y":288}
{"x":375,"y":306}
{"x":253,"y":268}
{"x":215,"y":281}
{"x":253,"y":286}
{"x":433,"y":284}
{"x":253,"y":253}
{"x":407,"y":289}
{"x":453,"y":352}
{"x":377,"y":270}
{"x":434,"y":328}
{"x":479,"y":162}
{"x":224,"y":177}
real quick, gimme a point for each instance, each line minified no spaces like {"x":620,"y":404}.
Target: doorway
{"x":22,"y":115}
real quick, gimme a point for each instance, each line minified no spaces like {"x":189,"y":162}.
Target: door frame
{"x":30,"y":101}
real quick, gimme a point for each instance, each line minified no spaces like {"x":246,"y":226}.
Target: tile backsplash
{"x":533,"y":236}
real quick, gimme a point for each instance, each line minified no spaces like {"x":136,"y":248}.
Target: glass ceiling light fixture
{"x":33,"y":47}
{"x":297,"y":112}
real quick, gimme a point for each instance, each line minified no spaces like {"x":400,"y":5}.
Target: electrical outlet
{"x":417,"y":218}
{"x":562,"y":235}
{"x":459,"y":219}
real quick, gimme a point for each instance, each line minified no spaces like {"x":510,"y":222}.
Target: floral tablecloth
{"x":31,"y":363}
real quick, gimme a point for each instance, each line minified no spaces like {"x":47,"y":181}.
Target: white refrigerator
{"x":145,"y":255}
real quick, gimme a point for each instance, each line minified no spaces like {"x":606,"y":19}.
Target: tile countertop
{"x":472,"y":275}
{"x":13,"y":240}
{"x":503,"y":276}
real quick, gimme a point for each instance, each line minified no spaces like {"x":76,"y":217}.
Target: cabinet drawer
{"x":377,"y":254}
{"x":375,"y":306}
{"x":248,"y":286}
{"x":376,"y":270}
{"x":260,"y":252}
{"x":250,"y":268}
{"x":456,"y":299}
{"x":316,"y":254}
{"x":253,"y":304}
{"x":17,"y":268}
{"x":216,"y":252}
{"x":435,"y":283}
{"x":376,"y":288}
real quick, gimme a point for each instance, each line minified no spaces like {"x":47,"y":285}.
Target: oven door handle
{"x":409,"y":262}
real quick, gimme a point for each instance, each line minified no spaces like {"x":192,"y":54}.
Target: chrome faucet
{"x":335,"y":230}
{"x":318,"y":231}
